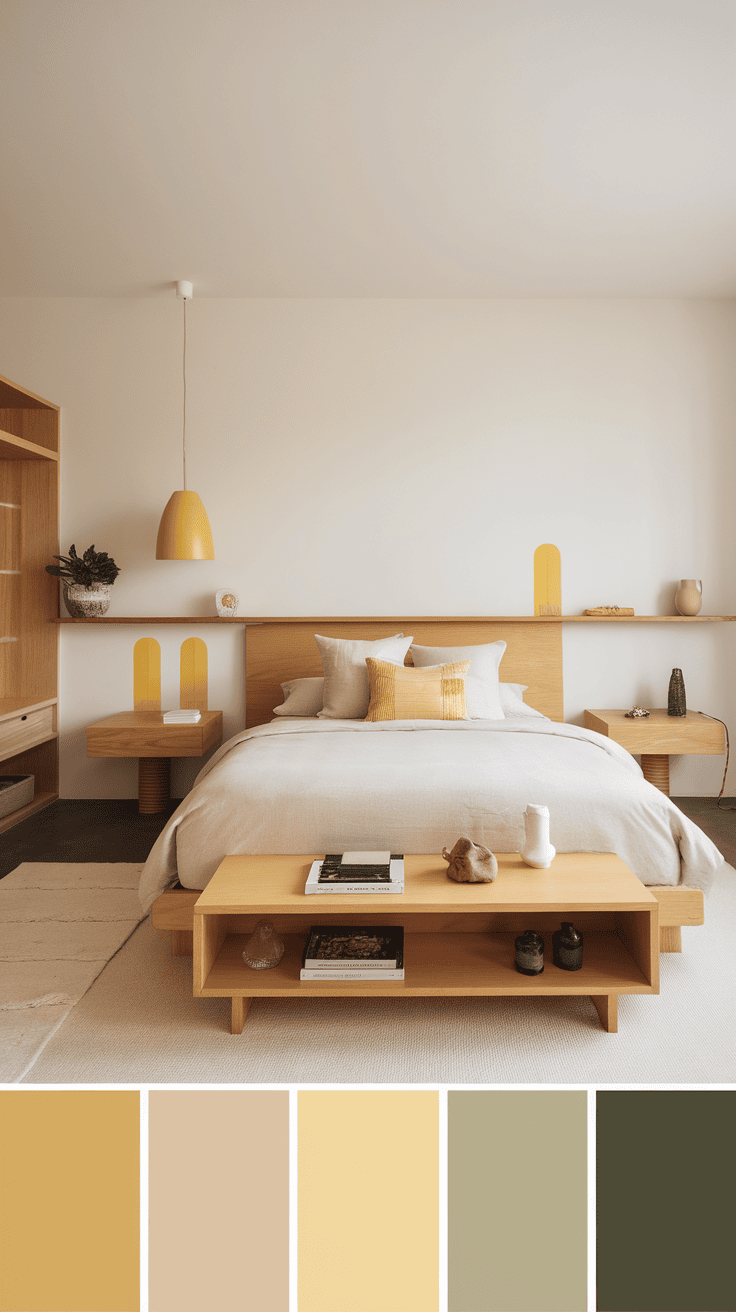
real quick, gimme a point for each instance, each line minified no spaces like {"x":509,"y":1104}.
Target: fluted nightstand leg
{"x":154,"y":773}
{"x":656,"y":770}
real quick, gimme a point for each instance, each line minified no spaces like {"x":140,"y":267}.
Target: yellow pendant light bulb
{"x":184,"y":532}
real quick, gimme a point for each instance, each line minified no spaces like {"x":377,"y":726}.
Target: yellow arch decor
{"x":547,"y":580}
{"x":146,"y":675}
{"x":193,"y":675}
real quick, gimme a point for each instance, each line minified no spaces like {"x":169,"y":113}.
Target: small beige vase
{"x":689,"y":596}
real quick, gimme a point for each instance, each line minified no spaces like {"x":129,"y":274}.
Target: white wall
{"x":395,"y":457}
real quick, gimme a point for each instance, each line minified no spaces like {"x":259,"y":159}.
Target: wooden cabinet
{"x":29,"y":597}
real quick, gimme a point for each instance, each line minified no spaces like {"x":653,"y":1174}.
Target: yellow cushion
{"x":400,"y":692}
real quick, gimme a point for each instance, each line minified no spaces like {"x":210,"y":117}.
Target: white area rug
{"x":140,"y":1024}
{"x":59,"y":926}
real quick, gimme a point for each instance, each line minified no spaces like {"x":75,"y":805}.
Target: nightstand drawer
{"x":25,"y":730}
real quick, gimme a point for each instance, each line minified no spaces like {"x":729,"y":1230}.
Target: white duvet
{"x":417,"y":786}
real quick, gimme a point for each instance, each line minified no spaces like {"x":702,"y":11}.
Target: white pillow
{"x":513,"y":703}
{"x":482,"y":700}
{"x":347,"y":692}
{"x":302,"y":697}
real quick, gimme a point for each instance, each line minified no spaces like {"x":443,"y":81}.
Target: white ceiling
{"x":368,"y":147}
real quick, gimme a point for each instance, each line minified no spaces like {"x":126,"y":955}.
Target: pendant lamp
{"x":184,"y":532}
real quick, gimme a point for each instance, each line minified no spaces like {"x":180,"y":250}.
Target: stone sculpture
{"x":470,"y":863}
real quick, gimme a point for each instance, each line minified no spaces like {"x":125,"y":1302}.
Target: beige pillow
{"x":347,"y":691}
{"x":481,"y":690}
{"x":399,"y":692}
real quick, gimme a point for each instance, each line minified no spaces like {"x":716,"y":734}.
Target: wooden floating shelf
{"x":401,"y":619}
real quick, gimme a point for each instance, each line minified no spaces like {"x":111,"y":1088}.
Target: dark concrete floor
{"x":112,"y":830}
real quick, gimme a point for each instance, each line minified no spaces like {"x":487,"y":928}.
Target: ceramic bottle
{"x":537,"y":850}
{"x":529,"y":952}
{"x":689,"y":597}
{"x":567,"y":947}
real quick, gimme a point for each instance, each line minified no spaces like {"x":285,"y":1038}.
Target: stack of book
{"x":340,"y":952}
{"x":357,"y":872}
{"x":182,"y":717}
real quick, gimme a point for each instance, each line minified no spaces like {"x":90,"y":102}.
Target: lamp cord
{"x":184,"y":372}
{"x":725,"y":772}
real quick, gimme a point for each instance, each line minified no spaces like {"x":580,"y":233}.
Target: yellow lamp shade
{"x":184,"y":532}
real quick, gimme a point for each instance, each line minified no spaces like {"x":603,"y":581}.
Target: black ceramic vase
{"x":676,"y":698}
{"x":567,"y":947}
{"x":529,"y":953}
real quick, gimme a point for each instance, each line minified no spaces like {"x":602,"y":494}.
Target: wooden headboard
{"x":281,"y":649}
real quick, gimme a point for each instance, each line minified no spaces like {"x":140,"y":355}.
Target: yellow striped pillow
{"x":400,"y":692}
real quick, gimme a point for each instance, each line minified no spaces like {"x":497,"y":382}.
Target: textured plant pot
{"x":689,"y":597}
{"x":87,"y":603}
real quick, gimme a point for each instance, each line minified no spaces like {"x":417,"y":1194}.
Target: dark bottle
{"x":529,"y":952}
{"x":567,"y":947}
{"x":676,"y":695}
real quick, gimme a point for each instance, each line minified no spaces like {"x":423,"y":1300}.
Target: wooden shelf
{"x":444,"y":965}
{"x":403,"y":619}
{"x":23,"y":812}
{"x":17,"y":448}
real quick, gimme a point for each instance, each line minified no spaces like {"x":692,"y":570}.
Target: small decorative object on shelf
{"x":609,"y":610}
{"x":689,"y":596}
{"x":227,"y":602}
{"x":567,"y":947}
{"x":264,"y":949}
{"x":470,"y":863}
{"x":529,"y":952}
{"x":676,"y":704}
{"x":537,"y":850}
{"x":86,"y":581}
{"x":637,"y":713}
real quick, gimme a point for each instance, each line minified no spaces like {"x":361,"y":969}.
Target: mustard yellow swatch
{"x":193,"y":675}
{"x":547,"y":580}
{"x":69,"y":1201}
{"x":368,"y":1201}
{"x":147,"y":675}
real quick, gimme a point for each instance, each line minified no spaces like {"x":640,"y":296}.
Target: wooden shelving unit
{"x":403,"y":619}
{"x":29,"y":538}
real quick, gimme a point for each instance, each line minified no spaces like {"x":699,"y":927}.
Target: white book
{"x":395,"y":885}
{"x":182,"y":717}
{"x":375,"y":976}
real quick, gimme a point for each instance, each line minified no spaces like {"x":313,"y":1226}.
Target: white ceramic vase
{"x":537,"y":850}
{"x":689,"y":596}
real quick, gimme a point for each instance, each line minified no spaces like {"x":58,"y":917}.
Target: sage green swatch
{"x":517,"y":1201}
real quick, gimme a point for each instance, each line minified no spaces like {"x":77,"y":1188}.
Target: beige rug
{"x":60,"y":924}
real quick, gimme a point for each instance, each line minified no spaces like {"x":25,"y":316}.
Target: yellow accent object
{"x":70,"y":1200}
{"x":547,"y":580}
{"x":146,"y":675}
{"x":193,"y":675}
{"x":184,"y":532}
{"x":432,"y":692}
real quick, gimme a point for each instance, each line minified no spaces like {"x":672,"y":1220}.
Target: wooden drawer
{"x":25,"y":730}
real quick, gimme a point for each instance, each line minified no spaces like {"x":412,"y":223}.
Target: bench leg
{"x":606,"y":1004}
{"x":670,"y":938}
{"x":182,"y":943}
{"x":240,"y":1009}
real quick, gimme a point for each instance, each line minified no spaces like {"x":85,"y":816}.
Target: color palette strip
{"x":368,"y":1201}
{"x":218,"y":1200}
{"x":69,"y":1201}
{"x":665,"y":1200}
{"x":517,"y":1201}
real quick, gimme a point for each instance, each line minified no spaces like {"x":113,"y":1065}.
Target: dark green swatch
{"x":665,"y":1210}
{"x":517,"y":1201}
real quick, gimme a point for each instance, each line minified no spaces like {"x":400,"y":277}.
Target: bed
{"x":308,"y":784}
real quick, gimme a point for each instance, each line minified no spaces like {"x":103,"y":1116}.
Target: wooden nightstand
{"x":144,"y":734}
{"x":660,"y":736}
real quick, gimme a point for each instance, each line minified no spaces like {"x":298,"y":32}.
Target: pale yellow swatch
{"x":193,"y":675}
{"x":147,"y":675}
{"x":69,"y":1201}
{"x":368,"y":1201}
{"x":547,"y":580}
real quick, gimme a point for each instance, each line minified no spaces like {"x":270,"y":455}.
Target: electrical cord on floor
{"x":725,"y":772}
